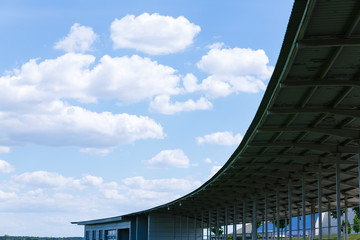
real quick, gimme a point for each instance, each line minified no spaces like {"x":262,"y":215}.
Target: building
{"x":300,"y":155}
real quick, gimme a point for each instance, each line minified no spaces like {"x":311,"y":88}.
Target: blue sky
{"x":113,"y":107}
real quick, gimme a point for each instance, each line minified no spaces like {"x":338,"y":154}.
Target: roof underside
{"x":309,"y":116}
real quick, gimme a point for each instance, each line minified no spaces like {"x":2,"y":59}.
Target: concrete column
{"x":290,"y":209}
{"x":303,"y":208}
{"x":234,"y":224}
{"x":244,"y":222}
{"x":277,"y":215}
{"x":254,"y":221}
{"x":266,"y":218}
{"x":320,"y":201}
{"x":338,"y":197}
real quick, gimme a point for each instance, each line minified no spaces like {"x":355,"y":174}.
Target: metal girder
{"x":346,"y":133}
{"x":346,"y":112}
{"x":328,"y":41}
{"x":316,"y":147}
{"x":308,"y":83}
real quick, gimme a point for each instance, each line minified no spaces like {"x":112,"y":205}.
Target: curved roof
{"x":309,"y":116}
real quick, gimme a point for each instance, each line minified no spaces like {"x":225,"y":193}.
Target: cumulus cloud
{"x":6,"y":167}
{"x":162,"y":104}
{"x":7,"y":195}
{"x":4,"y":149}
{"x":153,"y":33}
{"x":231,"y":70}
{"x":170,"y":184}
{"x":214,"y":170}
{"x":79,"y":39}
{"x":220,"y":138}
{"x":208,"y":160}
{"x":170,"y":158}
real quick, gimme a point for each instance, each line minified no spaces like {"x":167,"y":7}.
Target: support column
{"x":346,"y":221}
{"x":290,"y":209}
{"x":329,"y":219}
{"x":217,"y":224}
{"x":195,"y":232}
{"x":226,"y":223}
{"x":174,"y":237}
{"x":202,"y":225}
{"x":180,"y":227}
{"x":274,"y":227}
{"x":266,"y":218}
{"x":312,"y":220}
{"x":338,"y":206}
{"x":298,"y":224}
{"x":187,"y":227}
{"x":320,"y":201}
{"x":304,"y":208}
{"x":254,"y":221}
{"x":210,"y":224}
{"x":234,"y":224}
{"x":277,"y":215}
{"x":285,"y":230}
{"x":244,"y":222}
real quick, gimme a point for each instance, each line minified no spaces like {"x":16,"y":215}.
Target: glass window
{"x":110,"y":235}
{"x":87,"y":235}
{"x":100,"y":234}
{"x":93,"y":235}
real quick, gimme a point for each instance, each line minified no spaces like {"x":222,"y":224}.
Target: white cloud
{"x":170,"y":158}
{"x":7,"y":195}
{"x":162,"y":104}
{"x":220,"y":138}
{"x":4,"y":149}
{"x":153,"y":34}
{"x":53,"y":123}
{"x":79,"y":39}
{"x":6,"y":167}
{"x":208,"y":160}
{"x":171,"y":184}
{"x":214,"y":170}
{"x":231,"y":70}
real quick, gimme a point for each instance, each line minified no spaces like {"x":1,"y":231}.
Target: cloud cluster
{"x":79,"y":39}
{"x":153,"y":34}
{"x":6,"y":167}
{"x":220,"y":138}
{"x":170,"y":158}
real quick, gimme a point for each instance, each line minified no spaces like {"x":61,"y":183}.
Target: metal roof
{"x":308,"y":116}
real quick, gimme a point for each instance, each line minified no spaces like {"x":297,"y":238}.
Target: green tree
{"x":221,"y":230}
{"x":334,"y":213}
{"x":356,"y":210}
{"x":356,"y":222}
{"x":343,"y":226}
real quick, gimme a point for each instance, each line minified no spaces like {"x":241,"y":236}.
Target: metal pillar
{"x":312,"y":220}
{"x":320,"y":201}
{"x":234,"y":224}
{"x":329,"y":219}
{"x":209,"y":224}
{"x":217,"y":224}
{"x":285,"y":227}
{"x":174,"y":227}
{"x":180,"y":227}
{"x":202,"y":225}
{"x":346,"y":237}
{"x":195,"y":235}
{"x":226,"y":223}
{"x":303,"y":208}
{"x":338,"y":207}
{"x":266,"y":218}
{"x":244,"y":222}
{"x":298,"y":224}
{"x":254,"y":221}
{"x":277,"y":215}
{"x":290,"y":209}
{"x":263,"y":230}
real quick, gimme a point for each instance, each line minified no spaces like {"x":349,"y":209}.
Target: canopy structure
{"x":308,"y":123}
{"x":300,"y":154}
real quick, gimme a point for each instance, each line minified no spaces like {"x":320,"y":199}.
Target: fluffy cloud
{"x":4,"y":149}
{"x":220,"y":138}
{"x":162,"y":104}
{"x":6,"y":167}
{"x":172,"y":184}
{"x":79,"y":39}
{"x":231,"y":70}
{"x":153,"y":34}
{"x":170,"y":158}
{"x":7,"y":195}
